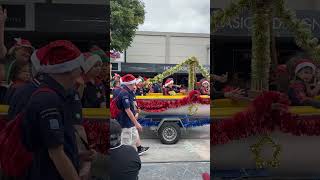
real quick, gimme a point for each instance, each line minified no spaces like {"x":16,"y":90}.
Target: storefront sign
{"x":152,"y":68}
{"x":242,"y":25}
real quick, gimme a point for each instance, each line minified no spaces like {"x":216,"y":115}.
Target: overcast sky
{"x":191,"y":16}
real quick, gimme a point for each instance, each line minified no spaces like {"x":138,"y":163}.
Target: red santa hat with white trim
{"x":90,"y":61}
{"x":20,"y":43}
{"x":59,"y":56}
{"x":204,"y":81}
{"x":128,"y":79}
{"x":168,"y":82}
{"x":303,"y":64}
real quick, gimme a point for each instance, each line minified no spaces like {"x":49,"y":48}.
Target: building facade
{"x":41,"y":21}
{"x":231,"y":44}
{"x":155,"y":52}
{"x":168,"y":48}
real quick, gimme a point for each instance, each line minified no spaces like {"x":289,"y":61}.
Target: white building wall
{"x":147,"y":49}
{"x":183,"y":47}
{"x":168,"y":48}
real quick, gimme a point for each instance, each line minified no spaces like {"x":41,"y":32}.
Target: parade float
{"x":265,"y":137}
{"x":167,"y":114}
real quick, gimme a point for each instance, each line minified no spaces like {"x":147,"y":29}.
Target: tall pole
{"x":261,"y":57}
{"x":192,"y":75}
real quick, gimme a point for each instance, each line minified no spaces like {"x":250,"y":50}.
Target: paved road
{"x":186,"y":160}
{"x":173,"y":171}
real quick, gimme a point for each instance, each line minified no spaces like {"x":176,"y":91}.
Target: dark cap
{"x":115,"y":133}
{"x":115,"y":127}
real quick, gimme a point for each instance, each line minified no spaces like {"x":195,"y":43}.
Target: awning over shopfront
{"x":147,"y":68}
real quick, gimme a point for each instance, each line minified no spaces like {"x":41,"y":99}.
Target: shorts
{"x":129,"y":136}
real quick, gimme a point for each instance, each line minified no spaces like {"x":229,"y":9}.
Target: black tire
{"x":169,"y":133}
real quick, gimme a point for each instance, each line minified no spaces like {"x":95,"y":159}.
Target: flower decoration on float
{"x":257,"y":148}
{"x":193,"y":109}
{"x":192,"y":63}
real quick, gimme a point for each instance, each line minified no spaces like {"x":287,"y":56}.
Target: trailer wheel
{"x":169,"y":133}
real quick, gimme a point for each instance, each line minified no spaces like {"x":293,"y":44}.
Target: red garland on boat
{"x":262,"y":117}
{"x":162,"y":105}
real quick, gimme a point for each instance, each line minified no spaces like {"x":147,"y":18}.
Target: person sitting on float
{"x":155,"y":88}
{"x":148,"y":86}
{"x":222,"y":79}
{"x":169,"y":88}
{"x":236,"y":94}
{"x":140,"y":91}
{"x":115,"y":82}
{"x":298,"y":94}
{"x":313,"y":89}
{"x":205,"y":87}
{"x":116,"y":77}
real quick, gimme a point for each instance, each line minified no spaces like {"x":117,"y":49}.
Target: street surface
{"x":186,"y":160}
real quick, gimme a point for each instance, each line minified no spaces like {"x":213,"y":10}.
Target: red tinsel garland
{"x":97,"y":133}
{"x":260,"y":118}
{"x":162,"y":105}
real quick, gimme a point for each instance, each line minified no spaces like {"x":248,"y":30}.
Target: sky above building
{"x":189,"y":16}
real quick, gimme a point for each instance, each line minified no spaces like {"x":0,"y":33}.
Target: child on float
{"x":19,"y":76}
{"x":299,"y":92}
{"x":169,"y":88}
{"x":205,"y":87}
{"x":140,"y":91}
{"x":313,"y":89}
{"x":115,"y":82}
{"x":235,"y":94}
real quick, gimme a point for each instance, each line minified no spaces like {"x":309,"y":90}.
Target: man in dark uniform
{"x":141,"y":149}
{"x":127,"y":117}
{"x":48,"y":125}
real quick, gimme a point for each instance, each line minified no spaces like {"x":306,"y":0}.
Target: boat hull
{"x":299,"y":155}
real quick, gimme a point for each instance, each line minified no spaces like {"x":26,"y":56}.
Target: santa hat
{"x":128,"y":79}
{"x":57,"y":57}
{"x":116,"y":75}
{"x":90,"y":60}
{"x":304,"y":63}
{"x":204,"y":81}
{"x":20,"y":43}
{"x":140,"y":79}
{"x":98,"y":51}
{"x":168,"y":81}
